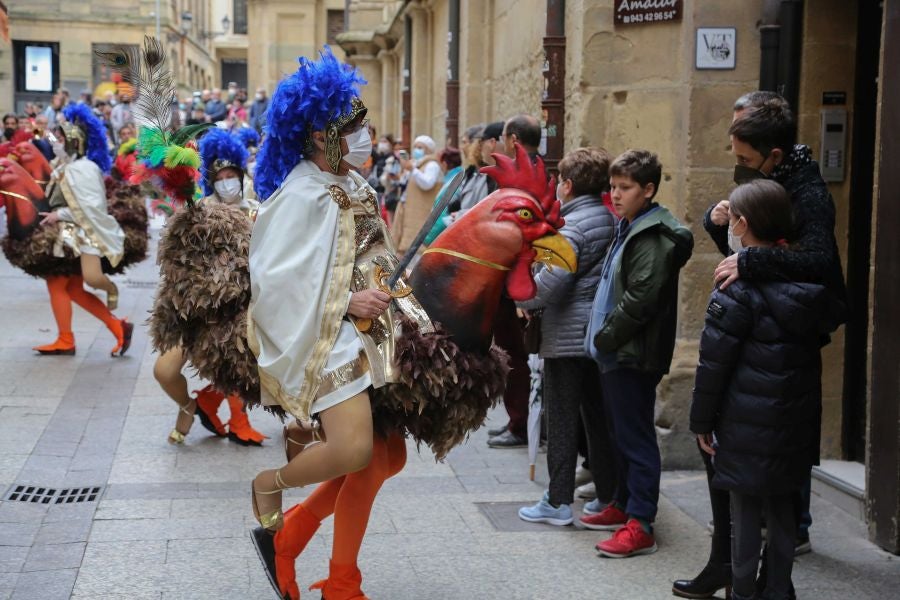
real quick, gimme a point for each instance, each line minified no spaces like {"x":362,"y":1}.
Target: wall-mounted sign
{"x":632,"y":12}
{"x":38,"y":69}
{"x":834,"y":98}
{"x":716,"y":47}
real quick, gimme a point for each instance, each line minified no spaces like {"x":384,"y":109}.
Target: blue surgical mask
{"x":418,"y":153}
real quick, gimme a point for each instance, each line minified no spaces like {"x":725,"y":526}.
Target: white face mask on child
{"x":229,"y":190}
{"x":734,"y":242}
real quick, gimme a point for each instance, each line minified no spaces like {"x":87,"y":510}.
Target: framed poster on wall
{"x":716,"y":48}
{"x":36,"y":66}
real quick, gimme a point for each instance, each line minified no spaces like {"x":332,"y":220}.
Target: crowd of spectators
{"x":230,"y":109}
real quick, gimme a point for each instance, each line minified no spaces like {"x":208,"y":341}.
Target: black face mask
{"x":9,"y":132}
{"x":745,"y":174}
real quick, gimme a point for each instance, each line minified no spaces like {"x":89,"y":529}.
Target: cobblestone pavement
{"x":171,"y":523}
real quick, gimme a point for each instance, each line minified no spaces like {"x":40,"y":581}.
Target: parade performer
{"x":334,"y":344}
{"x":76,"y":225}
{"x":223,"y":169}
{"x":250,"y":138}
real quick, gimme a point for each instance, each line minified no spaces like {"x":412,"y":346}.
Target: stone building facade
{"x":75,"y":28}
{"x":638,"y":85}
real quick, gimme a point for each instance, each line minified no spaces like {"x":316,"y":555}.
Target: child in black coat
{"x":757,"y":395}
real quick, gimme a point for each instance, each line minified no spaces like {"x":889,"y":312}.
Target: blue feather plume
{"x":318,"y":92}
{"x":95,"y":148}
{"x":218,"y":144}
{"x":248,"y":136}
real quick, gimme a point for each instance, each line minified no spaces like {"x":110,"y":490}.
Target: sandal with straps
{"x":290,"y":443}
{"x":112,"y":298}
{"x":274,"y":520}
{"x":176,"y":437}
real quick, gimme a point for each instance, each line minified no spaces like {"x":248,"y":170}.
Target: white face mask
{"x":384,"y":147}
{"x":560,"y":195}
{"x":359,"y":148}
{"x":734,"y":242}
{"x":229,"y":190}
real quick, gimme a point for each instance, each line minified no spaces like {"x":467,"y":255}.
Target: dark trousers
{"x":721,"y":509}
{"x":509,"y":334}
{"x":574,"y":406}
{"x":781,"y":527}
{"x":720,"y":501}
{"x":629,"y":397}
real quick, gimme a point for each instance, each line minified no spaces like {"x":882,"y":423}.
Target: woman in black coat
{"x":757,"y":397}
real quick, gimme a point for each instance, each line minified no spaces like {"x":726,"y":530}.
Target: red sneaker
{"x":630,"y":540}
{"x":610,"y":518}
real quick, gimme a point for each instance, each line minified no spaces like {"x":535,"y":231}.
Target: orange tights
{"x":351,"y":496}
{"x":65,"y":290}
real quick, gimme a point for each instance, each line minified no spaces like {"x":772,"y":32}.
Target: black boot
{"x":711,"y":579}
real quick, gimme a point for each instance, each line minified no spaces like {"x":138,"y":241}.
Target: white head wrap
{"x":425,"y":141}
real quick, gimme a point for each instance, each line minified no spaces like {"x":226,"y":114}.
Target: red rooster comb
{"x":529,"y":177}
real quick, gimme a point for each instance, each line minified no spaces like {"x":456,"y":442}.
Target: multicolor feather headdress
{"x":167,"y":158}
{"x":220,"y":150}
{"x":320,"y":96}
{"x":91,"y":134}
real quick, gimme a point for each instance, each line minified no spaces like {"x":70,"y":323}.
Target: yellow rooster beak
{"x":555,"y":251}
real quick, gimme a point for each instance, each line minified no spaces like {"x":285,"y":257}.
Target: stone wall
{"x":78,"y":25}
{"x":284,"y":30}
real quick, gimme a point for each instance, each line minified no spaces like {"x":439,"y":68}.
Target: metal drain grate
{"x":73,"y":495}
{"x":31,"y":493}
{"x":36,"y":494}
{"x":138,"y":283}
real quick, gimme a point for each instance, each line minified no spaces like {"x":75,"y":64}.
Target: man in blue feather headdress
{"x":77,"y":196}
{"x":321,"y":329}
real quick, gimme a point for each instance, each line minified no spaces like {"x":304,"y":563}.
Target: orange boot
{"x":239,"y":428}
{"x":344,"y":583}
{"x":208,"y":401}
{"x":278,"y":552}
{"x":64,"y":344}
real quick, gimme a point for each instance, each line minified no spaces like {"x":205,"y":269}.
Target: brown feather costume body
{"x":446,"y":388}
{"x":33,"y":251}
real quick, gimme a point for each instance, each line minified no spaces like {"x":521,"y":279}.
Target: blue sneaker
{"x":543,"y":512}
{"x":593,"y":507}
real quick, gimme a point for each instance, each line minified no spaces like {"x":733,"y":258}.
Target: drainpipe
{"x":768,"y":57}
{"x":452,"y":127}
{"x":790,"y":44}
{"x":406,"y":115}
{"x":553,"y":104}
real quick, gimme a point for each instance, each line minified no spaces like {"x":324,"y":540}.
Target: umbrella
{"x":535,"y":401}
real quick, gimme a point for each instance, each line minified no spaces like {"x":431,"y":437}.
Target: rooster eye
{"x":524,"y":213}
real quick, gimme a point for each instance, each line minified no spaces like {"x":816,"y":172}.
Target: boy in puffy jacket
{"x":631,"y":335}
{"x":757,"y":396}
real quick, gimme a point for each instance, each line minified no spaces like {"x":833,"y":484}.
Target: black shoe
{"x":711,"y":579}
{"x":507,"y":439}
{"x":264,"y":542}
{"x":497,"y":430}
{"x":802,"y":545}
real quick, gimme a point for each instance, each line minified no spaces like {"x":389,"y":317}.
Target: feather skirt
{"x":34,"y":254}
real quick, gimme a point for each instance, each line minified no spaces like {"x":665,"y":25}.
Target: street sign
{"x":633,"y":12}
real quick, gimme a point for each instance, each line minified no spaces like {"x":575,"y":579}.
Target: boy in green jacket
{"x":631,"y":335}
